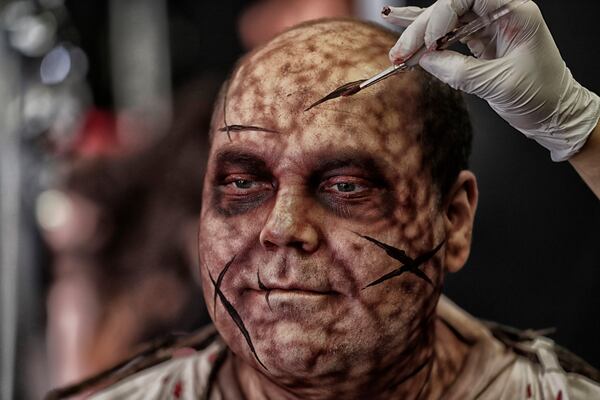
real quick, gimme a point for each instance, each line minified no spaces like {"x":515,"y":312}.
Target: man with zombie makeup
{"x":325,"y":235}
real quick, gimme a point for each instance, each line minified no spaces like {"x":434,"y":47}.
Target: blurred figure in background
{"x":120,"y":226}
{"x":265,"y":19}
{"x":125,"y":256}
{"x":125,"y":253}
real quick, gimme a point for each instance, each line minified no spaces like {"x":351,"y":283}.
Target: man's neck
{"x":426,"y":373}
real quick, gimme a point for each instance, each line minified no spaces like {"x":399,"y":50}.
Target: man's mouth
{"x":286,"y":299}
{"x":282,"y":292}
{"x":297,"y":288}
{"x":279,"y":292}
{"x":302,"y":291}
{"x":304,"y":288}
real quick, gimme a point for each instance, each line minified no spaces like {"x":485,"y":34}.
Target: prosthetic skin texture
{"x":298,"y":201}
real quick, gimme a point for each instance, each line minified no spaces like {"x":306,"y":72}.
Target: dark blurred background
{"x":104,"y":107}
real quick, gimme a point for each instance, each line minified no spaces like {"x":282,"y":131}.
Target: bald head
{"x":298,"y":66}
{"x":274,"y":84}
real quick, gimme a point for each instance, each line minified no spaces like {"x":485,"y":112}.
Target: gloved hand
{"x":517,"y":69}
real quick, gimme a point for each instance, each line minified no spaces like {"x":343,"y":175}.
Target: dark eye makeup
{"x":351,"y":187}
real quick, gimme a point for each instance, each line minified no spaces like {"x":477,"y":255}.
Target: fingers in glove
{"x":446,"y":14}
{"x":411,"y":39}
{"x":442,"y":20}
{"x":483,"y":45}
{"x":464,"y":73}
{"x":480,"y":7}
{"x":401,"y":16}
{"x":476,"y":47}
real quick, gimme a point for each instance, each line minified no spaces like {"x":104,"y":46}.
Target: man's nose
{"x":289,"y":224}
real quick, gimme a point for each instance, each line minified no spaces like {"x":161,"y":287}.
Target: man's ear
{"x":459,"y":214}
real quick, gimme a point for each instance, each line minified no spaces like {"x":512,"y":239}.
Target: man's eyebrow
{"x":359,"y":159}
{"x":239,"y":128}
{"x":241,"y":158}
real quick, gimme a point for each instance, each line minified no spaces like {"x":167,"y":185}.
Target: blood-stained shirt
{"x":502,"y":364}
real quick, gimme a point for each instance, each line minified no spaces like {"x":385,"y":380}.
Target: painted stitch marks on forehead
{"x":240,"y":128}
{"x":227,"y":128}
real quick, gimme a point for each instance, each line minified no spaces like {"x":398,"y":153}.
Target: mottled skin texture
{"x":288,"y":200}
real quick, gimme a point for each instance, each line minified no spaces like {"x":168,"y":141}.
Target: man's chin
{"x":293,"y":350}
{"x":291,"y":365}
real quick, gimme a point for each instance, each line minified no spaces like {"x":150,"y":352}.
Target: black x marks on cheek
{"x":235,"y":316}
{"x":408,"y":264}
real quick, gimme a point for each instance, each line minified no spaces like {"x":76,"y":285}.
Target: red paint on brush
{"x":398,"y":60}
{"x":351,"y":90}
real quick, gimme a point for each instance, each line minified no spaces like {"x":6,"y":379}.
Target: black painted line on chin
{"x":237,"y":319}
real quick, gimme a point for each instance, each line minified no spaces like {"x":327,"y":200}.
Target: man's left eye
{"x":243,"y":183}
{"x":346,"y":187}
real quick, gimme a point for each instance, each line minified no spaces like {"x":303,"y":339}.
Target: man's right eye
{"x":239,"y":193}
{"x":243,"y":183}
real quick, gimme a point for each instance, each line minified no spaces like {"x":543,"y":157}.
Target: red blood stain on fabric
{"x":559,"y":395}
{"x":177,"y":389}
{"x":528,"y":391}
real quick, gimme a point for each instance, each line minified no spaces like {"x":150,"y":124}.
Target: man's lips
{"x":293,"y":290}
{"x":304,"y":292}
{"x":294,"y":287}
{"x":285,"y":294}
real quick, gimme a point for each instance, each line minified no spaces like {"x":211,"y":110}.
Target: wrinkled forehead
{"x":274,"y":84}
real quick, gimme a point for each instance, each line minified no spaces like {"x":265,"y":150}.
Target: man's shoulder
{"x":176,"y":366}
{"x":507,"y":363}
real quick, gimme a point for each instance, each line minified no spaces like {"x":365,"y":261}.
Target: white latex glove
{"x":517,"y":69}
